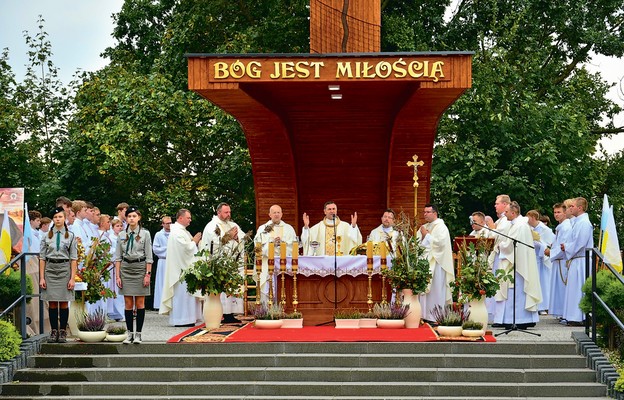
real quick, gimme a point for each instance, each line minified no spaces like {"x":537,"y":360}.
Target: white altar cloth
{"x":324,"y":265}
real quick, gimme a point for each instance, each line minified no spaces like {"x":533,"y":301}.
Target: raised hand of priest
{"x":423,"y":231}
{"x":197,"y":237}
{"x":306,"y":220}
{"x":354,"y":219}
{"x":233,"y":233}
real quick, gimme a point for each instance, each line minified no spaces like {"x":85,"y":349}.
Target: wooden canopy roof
{"x":307,"y":148}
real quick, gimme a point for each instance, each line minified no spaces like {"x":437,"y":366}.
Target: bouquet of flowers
{"x":410,"y":269}
{"x":475,"y":279}
{"x":95,"y":272}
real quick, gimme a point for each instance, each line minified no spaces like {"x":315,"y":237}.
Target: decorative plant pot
{"x":478,"y":312}
{"x":347,"y":323}
{"x":296,"y":323}
{"x":412,"y":319}
{"x":368,"y":323}
{"x":116,"y":337}
{"x":450,"y":331}
{"x":268,"y":323}
{"x":76,"y":309}
{"x":92,"y":336}
{"x":473,"y":332}
{"x":213,"y":311}
{"x":391,"y":323}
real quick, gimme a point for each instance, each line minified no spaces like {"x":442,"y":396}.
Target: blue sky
{"x":79,"y":30}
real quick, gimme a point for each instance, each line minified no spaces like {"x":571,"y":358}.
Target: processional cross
{"x":415,"y":164}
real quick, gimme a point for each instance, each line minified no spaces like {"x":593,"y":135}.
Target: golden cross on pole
{"x":415,"y":164}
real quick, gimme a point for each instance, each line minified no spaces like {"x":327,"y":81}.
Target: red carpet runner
{"x":249,"y":334}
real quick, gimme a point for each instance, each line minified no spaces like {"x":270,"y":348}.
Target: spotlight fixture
{"x":336,"y":96}
{"x":333,"y":87}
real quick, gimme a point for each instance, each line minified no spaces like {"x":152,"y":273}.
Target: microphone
{"x":471,"y":220}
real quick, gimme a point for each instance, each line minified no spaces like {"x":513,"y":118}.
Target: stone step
{"x":273,"y":397}
{"x":309,"y":389}
{"x":544,"y":348}
{"x":310,"y":360}
{"x":321,"y":374}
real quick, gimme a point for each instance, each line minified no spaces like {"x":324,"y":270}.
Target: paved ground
{"x":157,"y":329}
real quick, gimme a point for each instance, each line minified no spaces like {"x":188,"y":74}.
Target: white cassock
{"x":183,"y":308}
{"x":160,"y":249}
{"x":211,"y":239}
{"x":502,"y":226}
{"x":529,"y":293}
{"x":439,"y":253}
{"x":381,"y":234}
{"x":347,"y":235}
{"x":581,"y":237}
{"x":559,"y":270}
{"x":116,"y":305}
{"x":543,"y":262}
{"x":287,"y":235}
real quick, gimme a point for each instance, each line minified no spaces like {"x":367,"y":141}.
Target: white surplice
{"x":547,"y":237}
{"x":267,"y":233}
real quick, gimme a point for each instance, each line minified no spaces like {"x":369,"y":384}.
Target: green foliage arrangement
{"x":116,"y":330}
{"x":410,"y":270}
{"x":292,"y":315}
{"x":95,"y":272}
{"x":347,"y":313}
{"x":10,"y":341}
{"x":476,"y":281}
{"x":92,"y":322}
{"x":473,"y":325}
{"x":11,"y":287}
{"x":215,"y":273}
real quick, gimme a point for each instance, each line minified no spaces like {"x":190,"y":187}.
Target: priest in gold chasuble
{"x":331,"y":235}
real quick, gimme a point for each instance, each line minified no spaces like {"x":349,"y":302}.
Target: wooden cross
{"x":415,"y":164}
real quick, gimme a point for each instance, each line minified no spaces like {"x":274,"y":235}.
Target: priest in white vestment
{"x":559,"y":270}
{"x":434,"y":236}
{"x":347,"y":236}
{"x":280,"y":234}
{"x":497,"y":230}
{"x":184,"y":309}
{"x":224,"y":235}
{"x":478,"y":224}
{"x":529,"y":292}
{"x":543,"y":240}
{"x":160,"y":249}
{"x":386,"y":231}
{"x":581,"y":238}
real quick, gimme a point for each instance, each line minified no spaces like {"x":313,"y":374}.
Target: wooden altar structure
{"x":339,"y":123}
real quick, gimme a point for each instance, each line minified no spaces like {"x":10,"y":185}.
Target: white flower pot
{"x":347,"y":323}
{"x":296,"y":323}
{"x":91,"y":336}
{"x":213,"y":311}
{"x":412,"y":319}
{"x":473,"y":332}
{"x":368,"y":323}
{"x":116,"y":338}
{"x":450,"y":331}
{"x":391,"y":323}
{"x":268,"y":323}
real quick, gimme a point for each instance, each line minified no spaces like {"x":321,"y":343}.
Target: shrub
{"x":10,"y":341}
{"x":11,"y":287}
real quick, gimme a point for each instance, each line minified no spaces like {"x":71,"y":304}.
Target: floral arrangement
{"x":390,"y":311}
{"x":216,"y":273}
{"x":476,"y":280}
{"x":410,"y":269}
{"x":92,"y":322}
{"x":450,"y":315}
{"x":272,"y":312}
{"x":95,"y":271}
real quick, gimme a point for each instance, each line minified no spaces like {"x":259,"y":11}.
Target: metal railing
{"x":591,"y":258}
{"x":24,"y":296}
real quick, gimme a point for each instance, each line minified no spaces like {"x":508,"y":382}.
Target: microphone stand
{"x":515,"y":241}
{"x":335,"y":266}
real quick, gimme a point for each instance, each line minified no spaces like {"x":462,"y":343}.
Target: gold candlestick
{"x":283,"y":273}
{"x":369,"y":268}
{"x":258,"y":254}
{"x":384,"y":267}
{"x":271,"y":262}
{"x":295,"y":267}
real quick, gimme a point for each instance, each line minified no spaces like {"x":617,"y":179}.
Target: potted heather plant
{"x":91,"y":326}
{"x":391,"y":316}
{"x":115,"y":333}
{"x":472,"y":329}
{"x":292,"y":320}
{"x":368,"y":320}
{"x":449,"y":319}
{"x":348,"y":318}
{"x":268,"y":317}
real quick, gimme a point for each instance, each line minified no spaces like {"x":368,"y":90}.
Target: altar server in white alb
{"x":543,"y":239}
{"x":559,"y":277}
{"x":224,"y":235}
{"x":347,"y":236}
{"x":160,"y":249}
{"x":386,"y":231}
{"x":434,"y":236}
{"x":497,"y":230}
{"x":278,"y":232}
{"x":184,"y":309}
{"x":527,"y":283}
{"x":581,"y":238}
